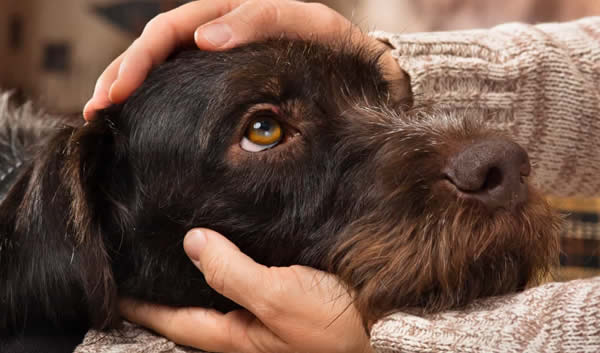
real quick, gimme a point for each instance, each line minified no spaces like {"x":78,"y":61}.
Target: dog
{"x":300,"y":154}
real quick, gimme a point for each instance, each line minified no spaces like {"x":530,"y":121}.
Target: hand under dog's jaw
{"x":349,"y":185}
{"x":294,"y":151}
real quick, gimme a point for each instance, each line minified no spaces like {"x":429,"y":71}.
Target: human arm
{"x":538,"y":83}
{"x":556,"y":317}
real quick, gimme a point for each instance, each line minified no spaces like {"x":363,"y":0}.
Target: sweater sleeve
{"x":130,"y":338}
{"x":556,"y":317}
{"x":541,"y":84}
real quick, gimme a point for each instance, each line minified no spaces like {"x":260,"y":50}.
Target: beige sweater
{"x":542,"y":84}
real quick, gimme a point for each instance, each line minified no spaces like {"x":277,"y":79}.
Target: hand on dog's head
{"x":297,"y":153}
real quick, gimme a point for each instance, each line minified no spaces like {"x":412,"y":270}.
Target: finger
{"x":261,"y":19}
{"x":159,"y":38}
{"x":201,"y":328}
{"x":226,"y":269}
{"x":99,"y":98}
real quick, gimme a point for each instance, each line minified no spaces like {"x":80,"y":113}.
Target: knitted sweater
{"x":539,"y":83}
{"x":542,"y":85}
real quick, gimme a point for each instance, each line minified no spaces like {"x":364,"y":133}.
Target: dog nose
{"x":492,"y":172}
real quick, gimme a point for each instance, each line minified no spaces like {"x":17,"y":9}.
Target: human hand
{"x":289,"y":309}
{"x":223,"y":24}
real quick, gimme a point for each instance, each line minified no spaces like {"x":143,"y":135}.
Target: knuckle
{"x":269,"y":11}
{"x":215,"y":272}
{"x":102,"y":84}
{"x":154,"y":23}
{"x":266,"y":312}
{"x":327,"y":16}
{"x":319,"y":7}
{"x":273,"y":299}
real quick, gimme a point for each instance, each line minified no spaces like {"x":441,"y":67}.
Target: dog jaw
{"x":424,"y":247}
{"x":354,"y":191}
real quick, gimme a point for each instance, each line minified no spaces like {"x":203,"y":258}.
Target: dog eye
{"x":262,"y":133}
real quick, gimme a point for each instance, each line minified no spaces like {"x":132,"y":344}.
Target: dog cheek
{"x":444,"y":260}
{"x":382,"y":271}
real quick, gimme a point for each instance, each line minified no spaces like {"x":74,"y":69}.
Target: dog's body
{"x":353,"y":185}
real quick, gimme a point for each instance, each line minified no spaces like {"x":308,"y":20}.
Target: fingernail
{"x":217,"y":34}
{"x":193,"y":244}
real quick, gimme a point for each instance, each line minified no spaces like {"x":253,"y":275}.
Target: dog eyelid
{"x":263,"y":129}
{"x":250,"y":146}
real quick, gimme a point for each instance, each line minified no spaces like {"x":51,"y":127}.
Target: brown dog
{"x":295,"y":152}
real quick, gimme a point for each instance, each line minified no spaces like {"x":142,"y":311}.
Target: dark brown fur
{"x":356,"y":188}
{"x":424,"y":243}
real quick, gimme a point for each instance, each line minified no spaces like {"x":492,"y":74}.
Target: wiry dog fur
{"x":355,"y":187}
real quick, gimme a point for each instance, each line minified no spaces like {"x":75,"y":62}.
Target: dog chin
{"x":457,"y":251}
{"x":410,"y":208}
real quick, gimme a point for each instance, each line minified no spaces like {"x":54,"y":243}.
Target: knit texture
{"x":556,"y":317}
{"x":129,"y":339}
{"x":541,"y":85}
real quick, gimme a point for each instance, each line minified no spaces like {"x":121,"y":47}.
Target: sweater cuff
{"x":551,"y":318}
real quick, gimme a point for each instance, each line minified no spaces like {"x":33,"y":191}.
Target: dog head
{"x":297,"y":152}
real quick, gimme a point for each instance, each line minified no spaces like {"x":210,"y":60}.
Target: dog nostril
{"x":493,"y":179}
{"x":491,"y":171}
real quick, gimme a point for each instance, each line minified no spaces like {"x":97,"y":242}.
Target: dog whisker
{"x":383,"y":194}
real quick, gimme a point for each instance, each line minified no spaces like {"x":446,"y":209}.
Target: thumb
{"x":256,"y":20}
{"x":226,"y":269}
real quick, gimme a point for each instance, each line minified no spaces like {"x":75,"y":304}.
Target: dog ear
{"x":55,"y":266}
{"x":92,"y":174}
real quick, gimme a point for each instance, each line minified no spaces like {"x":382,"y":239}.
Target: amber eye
{"x":262,"y":133}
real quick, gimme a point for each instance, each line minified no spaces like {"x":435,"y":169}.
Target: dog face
{"x":298,"y":153}
{"x":250,"y":143}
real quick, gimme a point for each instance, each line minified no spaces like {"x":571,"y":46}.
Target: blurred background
{"x":52,"y":51}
